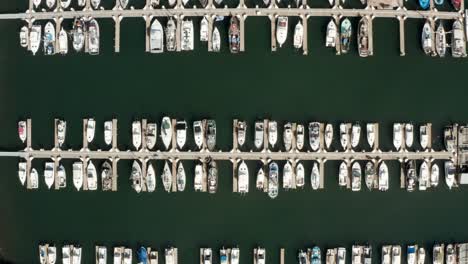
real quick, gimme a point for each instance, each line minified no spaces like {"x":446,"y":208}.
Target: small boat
{"x":91,"y":175}
{"x":300,"y":132}
{"x":241,"y":132}
{"x":281,"y":30}
{"x":300,"y":175}
{"x":449,"y":139}
{"x":106,"y":176}
{"x":356,"y":175}
{"x":383,"y":177}
{"x":427,"y":36}
{"x":142,"y":256}
{"x":124,"y":3}
{"x":341,"y":255}
{"x":78,"y":175}
{"x":153,"y":257}
{"x":76,"y":255}
{"x":61,"y":132}
{"x":50,"y":3}
{"x":316,"y":256}
{"x":272,"y":133}
{"x":151,"y":135}
{"x":243,"y":178}
{"x":411,"y":254}
{"x":167,"y":177}
{"x":34,"y":179}
{"x":212,"y":177}
{"x":302,"y":257}
{"x":156,"y":37}
{"x":136,"y":134}
{"x":171,"y":2}
{"x":456,"y":4}
{"x":424,"y":175}
{"x":273,"y":180}
{"x":260,"y":256}
{"x":207,"y":256}
{"x":424,"y":4}
{"x":450,"y":255}
{"x":118,"y":252}
{"x":22,"y":131}
{"x":37,"y":3}
{"x":187,"y":35}
{"x":355,"y":135}
{"x":95,"y":3}
{"x":332,"y":33}
{"x":343,"y":174}
{"x":370,"y":176}
{"x":266,"y":2}
{"x":197,"y":182}
{"x":62,"y":176}
{"x":458,"y":38}
{"x":370,"y":134}
{"x":298,"y":35}
{"x":411,"y":176}
{"x":450,"y":172}
{"x":216,"y":40}
{"x":49,"y":174}
{"x":315,"y":177}
{"x":367,"y":252}
{"x":363,"y":37}
{"x":235,"y":254}
{"x":181,"y":133}
{"x":180,"y":177}
{"x":90,"y":130}
{"x":287,"y":136}
{"x":409,"y":135}
{"x":198,"y":133}
{"x":439,"y":2}
{"x":35,"y":37}
{"x":108,"y":132}
{"x":78,"y":34}
{"x":49,"y":39}
{"x":51,"y":255}
{"x":93,"y":37}
{"x":204,"y":26}
{"x":211,"y":134}
{"x":171,"y":35}
{"x":423,"y":136}
{"x":434,"y":180}
{"x":344,"y":136}
{"x":223,"y":256}
{"x":234,"y":35}
{"x":136,"y":176}
{"x":331,"y":256}
{"x":43,"y":254}
{"x":287,"y":176}
{"x":81,"y":3}
{"x":184,"y":2}
{"x":440,"y":40}
{"x":346,"y":34}
{"x":169,"y":256}
{"x":101,"y":255}
{"x":218,"y":2}
{"x":260,"y":182}
{"x":438,"y":254}
{"x":396,"y":254}
{"x":63,"y":42}
{"x":314,"y":135}
{"x":127,"y":256}
{"x":397,"y":135}
{"x":22,"y":172}
{"x":150,"y":178}
{"x":24,"y":36}
{"x":328,"y":135}
{"x":65,"y":3}
{"x":259,"y":130}
{"x":421,"y":255}
{"x":166,"y":131}
{"x":66,"y":254}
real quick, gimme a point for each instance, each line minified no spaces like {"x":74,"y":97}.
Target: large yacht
{"x":150,"y":178}
{"x":62,"y":176}
{"x":78,"y":34}
{"x":63,"y":42}
{"x":108,"y":132}
{"x":287,"y":176}
{"x":35,"y":37}
{"x":93,"y":37}
{"x":78,"y":175}
{"x":397,"y":135}
{"x":440,"y":40}
{"x":49,"y":173}
{"x":204,"y":28}
{"x":287,"y":136}
{"x":187,"y":35}
{"x":272,"y":133}
{"x":315,"y":177}
{"x":332,"y":33}
{"x":300,"y":175}
{"x":435,"y":171}
{"x":424,"y":176}
{"x":300,"y":134}
{"x":167,"y":177}
{"x":450,"y":172}
{"x":458,"y":39}
{"x":180,"y":177}
{"x":328,"y":135}
{"x":383,"y":177}
{"x":370,"y":127}
{"x":427,"y":38}
{"x":343,"y":174}
{"x":355,"y":135}
{"x":344,"y":136}
{"x":260,"y":181}
{"x":423,"y":136}
{"x":409,"y":135}
{"x":171,"y":35}
{"x":91,"y":175}
{"x":356,"y":175}
{"x":241,"y":132}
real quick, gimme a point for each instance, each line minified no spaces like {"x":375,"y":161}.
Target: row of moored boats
{"x":435,"y":43}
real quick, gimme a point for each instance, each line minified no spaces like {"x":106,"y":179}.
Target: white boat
{"x":235,"y":254}
{"x":167,"y":177}
{"x":124,"y":3}
{"x":344,"y":136}
{"x":434,"y":180}
{"x":22,"y":172}
{"x":427,"y":38}
{"x":90,"y":130}
{"x":409,"y":135}
{"x":272,"y":133}
{"x":450,"y":255}
{"x":150,"y":178}
{"x":328,"y":135}
{"x":180,"y":177}
{"x":171,"y":35}
{"x":22,"y":131}
{"x":101,"y":255}
{"x":106,"y":176}
{"x":287,"y":176}
{"x":81,"y":3}
{"x":91,"y":175}
{"x":50,"y":3}
{"x":166,"y":131}
{"x":204,"y":29}
{"x":171,"y":2}
{"x":260,"y":256}
{"x":450,"y":172}
{"x":108,"y":132}
{"x":424,"y":175}
{"x":156,"y":37}
{"x":65,"y":3}
{"x":34,"y":179}
{"x":76,"y":255}
{"x":210,"y":134}
{"x":440,"y":40}
{"x":184,"y":2}
{"x":49,"y":174}
{"x":397,"y":135}
{"x":370,"y":175}
{"x":136,"y":134}
{"x":78,"y":175}
{"x":187,"y":35}
{"x":356,"y":175}
{"x":127,"y":256}
{"x":341,"y":255}
{"x":136,"y":176}
{"x":243,"y":178}
{"x":51,"y":255}
{"x":61,"y":132}
{"x":35,"y":38}
{"x":458,"y":42}
{"x":411,"y":254}
{"x":421,"y":256}
{"x":314,"y":135}
{"x":153,"y":257}
{"x":355,"y":135}
{"x":197,"y":182}
{"x":66,"y":254}
{"x":62,"y":176}
{"x":49,"y":39}
{"x":281,"y":30}
{"x":300,"y":175}
{"x":212,"y":178}
{"x":63,"y":42}
{"x":260,"y":182}
{"x":315,"y":177}
{"x":118,"y":254}
{"x":438,"y":254}
{"x":93,"y":37}
{"x":259,"y":131}
{"x":78,"y":34}
{"x":24,"y":36}
{"x":370,"y":134}
{"x":207,"y":256}
{"x":298,"y":35}
{"x":343,"y":174}
{"x":181,"y":133}
{"x":241,"y":132}
{"x":396,"y":254}
{"x":37,"y":3}
{"x":287,"y":136}
{"x":423,"y":136}
{"x":216,"y":40}
{"x":198,"y":133}
{"x":383,"y":177}
{"x":332,"y":33}
{"x":95,"y":3}
{"x":169,"y":255}
{"x":151,"y":135}
{"x":300,"y":134}
{"x":273,"y":180}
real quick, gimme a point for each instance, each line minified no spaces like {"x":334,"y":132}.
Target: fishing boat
{"x":180,"y":177}
{"x":370,"y":134}
{"x":136,"y":176}
{"x":438,"y":254}
{"x":315,"y":177}
{"x":187,"y":35}
{"x":243,"y":178}
{"x":108,"y":132}
{"x":181,"y":133}
{"x":369,"y":174}
{"x":166,"y":131}
{"x":212,"y":177}
{"x":298,"y":35}
{"x":76,"y":255}
{"x":127,"y":256}
{"x":427,"y":37}
{"x":171,"y":35}
{"x":211,"y":134}
{"x":434,"y":180}
{"x":198,"y":133}
{"x":216,"y":40}
{"x":34,"y":179}
{"x":167,"y":177}
{"x":281,"y":30}
{"x":344,"y":136}
{"x":65,"y":3}
{"x":273,"y":180}
{"x":423,"y":136}
{"x":235,"y":254}
{"x":90,"y":130}
{"x":93,"y":37}
{"x":234,"y":36}
{"x":356,"y":175}
{"x":383,"y":177}
{"x":424,"y":175}
{"x":204,"y":26}
{"x":409,"y":135}
{"x":260,"y":181}
{"x":287,"y":136}
{"x":169,"y":255}
{"x":197,"y":182}
{"x":95,"y":3}
{"x":78,"y":34}
{"x":62,"y":176}
{"x":50,"y":3}
{"x":341,"y":255}
{"x":260,"y":256}
{"x":396,"y":254}
{"x":153,"y":257}
{"x":142,"y":256}
{"x":397,"y":135}
{"x":300,"y":175}
{"x":343,"y":174}
{"x":363,"y":37}
{"x":37,"y":3}
{"x":51,"y":255}
{"x":314,"y":135}
{"x":345,"y":36}
{"x":328,"y":135}
{"x":241,"y":132}
{"x":450,"y":255}
{"x":91,"y":175}
{"x":411,"y":175}
{"x":450,"y":172}
{"x":316,"y":256}
{"x":24,"y":36}
{"x":136,"y":134}
{"x":332,"y":33}
{"x":259,"y":130}
{"x":287,"y":176}
{"x":106,"y":176}
{"x":118,"y":252}
{"x":300,"y":132}
{"x":124,"y":3}
{"x":424,"y":4}
{"x":272,"y":133}
{"x":156,"y":37}
{"x":22,"y":130}
{"x":151,"y":135}
{"x":22,"y":172}
{"x":49,"y":173}
{"x":355,"y":135}
{"x":63,"y":42}
{"x":78,"y":175}
{"x":66,"y":254}
{"x":35,"y":37}
{"x":49,"y":39}
{"x":456,"y":4}
{"x":440,"y":40}
{"x":458,"y":38}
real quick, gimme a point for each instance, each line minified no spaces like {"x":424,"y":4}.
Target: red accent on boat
{"x":456,"y":4}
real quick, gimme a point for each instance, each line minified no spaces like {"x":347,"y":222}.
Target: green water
{"x":256,"y":84}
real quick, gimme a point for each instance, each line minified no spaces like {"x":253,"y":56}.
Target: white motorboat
{"x":344,"y":136}
{"x":90,"y":130}
{"x":35,"y":38}
{"x":181,"y":133}
{"x":150,"y":178}
{"x":76,"y":255}
{"x":343,"y":174}
{"x":51,"y":255}
{"x":216,"y":40}
{"x":22,"y":131}
{"x":50,"y":3}
{"x":63,"y":42}
{"x":260,"y":182}
{"x":78,"y":34}
{"x":180,"y":177}
{"x":259,"y":131}
{"x":156,"y":37}
{"x":332,"y":33}
{"x":118,"y":254}
{"x":187,"y":35}
{"x":136,"y":134}
{"x":272,"y":133}
{"x":273,"y":180}
{"x":106,"y":176}
{"x":212,"y":179}
{"x":300,"y":175}
{"x":434,"y":180}
{"x":136,"y":176}
{"x":49,"y":39}
{"x":315,"y":177}
{"x":197,"y":182}
{"x":22,"y":172}
{"x":93,"y":37}
{"x":314,"y":135}
{"x":287,"y":176}
{"x":235,"y":254}
{"x":411,"y":254}
{"x":91,"y":175}
{"x":356,"y":175}
{"x":81,"y":3}
{"x":170,"y":31}
{"x":370,"y":134}
{"x":62,"y":176}
{"x":210,"y":134}
{"x":424,"y":175}
{"x":204,"y":29}
{"x":241,"y":132}
{"x":328,"y":135}
{"x":61,"y":132}
{"x":409,"y":135}
{"x":396,"y":254}
{"x":108,"y":132}
{"x":243,"y":178}
{"x":124,"y":3}
{"x":167,"y":177}
{"x":383,"y":177}
{"x":397,"y":135}
{"x":65,"y":3}
{"x":169,"y":255}
{"x":78,"y":175}
{"x":371,"y":177}
{"x":127,"y":256}
{"x":281,"y":30}
{"x":260,"y":257}
{"x":298,"y":35}
{"x":24,"y":36}
{"x":101,"y":255}
{"x":300,"y":134}
{"x":450,"y":172}
{"x":34,"y":179}
{"x":166,"y":131}
{"x":37,"y":3}
{"x":151,"y":135}
{"x":287,"y":136}
{"x":198,"y":133}
{"x":95,"y":3}
{"x":458,"y":43}
{"x":49,"y":174}
{"x":355,"y":135}
{"x":423,"y":136}
{"x":66,"y":254}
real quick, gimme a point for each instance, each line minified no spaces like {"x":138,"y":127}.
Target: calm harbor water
{"x":256,"y":84}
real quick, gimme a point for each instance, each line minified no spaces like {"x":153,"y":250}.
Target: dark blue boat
{"x":142,"y":256}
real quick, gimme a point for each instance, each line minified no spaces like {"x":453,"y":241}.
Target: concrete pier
{"x":282,"y":254}
{"x":265,"y":135}
{"x":402,"y":174}
{"x":114,"y":174}
{"x":204,"y":126}
{"x":273,"y":31}
{"x":85,"y":134}
{"x":56,"y":144}
{"x":242,"y":31}
{"x":85,"y":174}
{"x":337,"y":22}
{"x":174,"y":175}
{"x":28,"y":173}
{"x":88,"y":5}
{"x":178,"y":32}
{"x":147,"y":31}
{"x":29,"y":134}
{"x":143,"y":134}
{"x":305,"y":40}
{"x":114,"y":135}
{"x":234,"y":136}
{"x":377,"y":137}
{"x":56,"y":178}
{"x":429,"y":136}
{"x":294,"y":138}
{"x":143,"y":174}
{"x":58,"y":27}
{"x":293,"y":176}
{"x":204,"y":176}
{"x":371,"y":35}
{"x":210,"y":30}
{"x":235,"y":186}
{"x":321,"y":137}
{"x":348,"y":131}
{"x":174,"y":135}
{"x":117,"y":20}
{"x":402,"y":35}
{"x":321,"y":163}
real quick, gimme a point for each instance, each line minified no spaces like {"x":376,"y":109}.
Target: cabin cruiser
{"x":22,"y":131}
{"x":156,"y":37}
{"x":61,"y":132}
{"x":223,"y":256}
{"x":344,"y":136}
{"x":458,"y":38}
{"x":91,"y":175}
{"x":424,"y":175}
{"x":396,"y":255}
{"x":90,"y":130}
{"x":440,"y":40}
{"x":93,"y":37}
{"x":259,"y":130}
{"x":63,"y":42}
{"x":438,"y":254}
{"x":35,"y":37}
{"x":212,"y":177}
{"x":345,"y":36}
{"x":423,"y":136}
{"x":411,"y":176}
{"x":78,"y":34}
{"x":34,"y":179}
{"x":166,"y":177}
{"x":450,"y":255}
{"x":409,"y":135}
{"x":370,"y":134}
{"x":187,"y":35}
{"x":328,"y":135}
{"x":106,"y":176}
{"x":241,"y":132}
{"x":78,"y":175}
{"x":332,"y":34}
{"x":127,"y":256}
{"x":234,"y":35}
{"x":151,"y":135}
{"x":136,"y":176}
{"x":300,"y":131}
{"x":180,"y":177}
{"x":243,"y":178}
{"x":216,"y":40}
{"x":211,"y":134}
{"x":51,"y":255}
{"x":287,"y":136}
{"x":260,"y":256}
{"x":315,"y":177}
{"x":24,"y":36}
{"x":169,"y":255}
{"x":207,"y":256}
{"x":171,"y":35}
{"x":411,"y":254}
{"x":166,"y":131}
{"x":281,"y":30}
{"x":287,"y":176}
{"x":300,"y":175}
{"x":150,"y":178}
{"x":341,"y":255}
{"x":370,"y":175}
{"x":427,"y":38}
{"x":76,"y":255}
{"x":383,"y":177}
{"x":198,"y":133}
{"x":450,"y":172}
{"x":314,"y":135}
{"x":434,"y":180}
{"x":397,"y":135}
{"x":356,"y":175}
{"x":316,"y":255}
{"x":235,"y":254}
{"x":22,"y":172}
{"x":260,"y":182}
{"x":197,"y":182}
{"x":49,"y":39}
{"x":204,"y":28}
{"x":66,"y":254}
{"x":181,"y":133}
{"x":273,"y":180}
{"x":343,"y":174}
{"x":421,"y":255}
{"x":355,"y":135}
{"x":62,"y":176}
{"x":136,"y":134}
{"x":298,"y":35}
{"x":363,"y":37}
{"x":49,"y":173}
{"x":272,"y":133}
